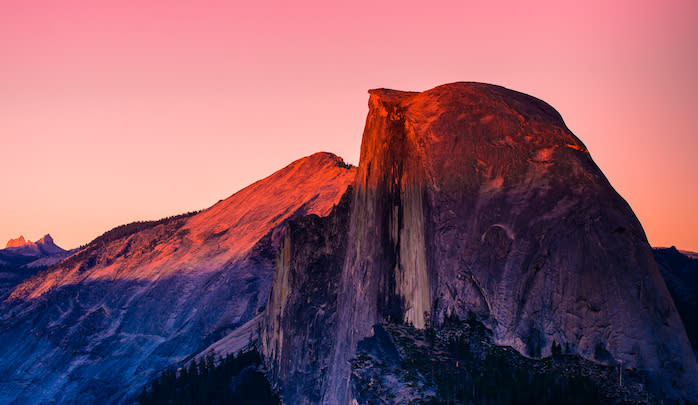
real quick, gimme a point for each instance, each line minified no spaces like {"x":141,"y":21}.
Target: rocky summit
{"x":473,"y":200}
{"x":17,"y":242}
{"x":96,"y":327}
{"x":42,"y":247}
{"x":477,"y":236}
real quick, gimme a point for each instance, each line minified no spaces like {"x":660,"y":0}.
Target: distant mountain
{"x":680,"y":271}
{"x":17,"y":242}
{"x":145,"y":296}
{"x":22,"y":258}
{"x":42,"y":247}
{"x":692,"y":255}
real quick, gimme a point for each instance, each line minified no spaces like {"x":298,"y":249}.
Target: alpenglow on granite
{"x":98,"y":326}
{"x":473,"y":200}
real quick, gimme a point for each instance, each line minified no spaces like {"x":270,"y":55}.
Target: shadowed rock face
{"x":680,"y":271}
{"x":301,"y":316}
{"x":475,"y":198}
{"x":98,"y":326}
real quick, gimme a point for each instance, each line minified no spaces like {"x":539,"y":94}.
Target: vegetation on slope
{"x":234,"y":379}
{"x":123,"y":231}
{"x":459,"y":364}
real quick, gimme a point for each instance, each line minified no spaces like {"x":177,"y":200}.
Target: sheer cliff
{"x":475,"y":199}
{"x":301,"y":315}
{"x":471,"y":201}
{"x":99,"y":325}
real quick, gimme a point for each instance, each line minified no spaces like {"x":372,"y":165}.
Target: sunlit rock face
{"x":99,"y":325}
{"x":472,"y":198}
{"x":42,"y":247}
{"x":17,"y":242}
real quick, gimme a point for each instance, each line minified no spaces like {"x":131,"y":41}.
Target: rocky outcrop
{"x":301,"y":316}
{"x":680,"y":271}
{"x":98,"y":326}
{"x":475,"y":199}
{"x":42,"y":247}
{"x":17,"y":242}
{"x":47,"y":246}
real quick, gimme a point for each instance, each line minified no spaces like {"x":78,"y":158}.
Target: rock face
{"x":301,"y":315}
{"x":17,"y":242}
{"x":472,"y":198}
{"x":98,"y":326}
{"x":680,"y":271}
{"x":42,"y":247}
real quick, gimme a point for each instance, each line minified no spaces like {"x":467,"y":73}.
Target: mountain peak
{"x":17,"y":242}
{"x":47,"y":246}
{"x":476,"y":200}
{"x":44,"y":246}
{"x":322,"y":159}
{"x":222,"y":257}
{"x":473,"y":99}
{"x":311,"y":184}
{"x":45,"y":240}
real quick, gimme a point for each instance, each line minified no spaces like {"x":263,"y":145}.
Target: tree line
{"x":233,"y":379}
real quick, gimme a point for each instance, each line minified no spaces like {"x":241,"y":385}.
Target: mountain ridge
{"x":147,"y":296}
{"x":43,"y":247}
{"x":17,"y":242}
{"x":471,"y":201}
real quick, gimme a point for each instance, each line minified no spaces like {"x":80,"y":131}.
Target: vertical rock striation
{"x":472,"y":198}
{"x":301,"y":317}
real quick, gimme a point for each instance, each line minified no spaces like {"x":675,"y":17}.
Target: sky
{"x":116,"y":111}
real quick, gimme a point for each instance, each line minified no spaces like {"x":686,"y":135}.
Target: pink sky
{"x":116,"y":111}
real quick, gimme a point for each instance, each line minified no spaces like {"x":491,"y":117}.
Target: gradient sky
{"x":115,"y":111}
